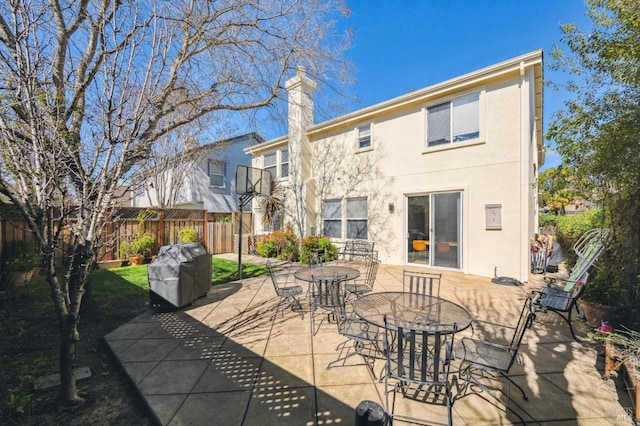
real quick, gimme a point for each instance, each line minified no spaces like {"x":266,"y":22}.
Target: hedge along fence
{"x":213,"y":229}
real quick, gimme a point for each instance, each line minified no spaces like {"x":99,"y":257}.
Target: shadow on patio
{"x":227,"y":360}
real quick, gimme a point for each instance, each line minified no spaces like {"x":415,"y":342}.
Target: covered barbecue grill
{"x":179,"y":274}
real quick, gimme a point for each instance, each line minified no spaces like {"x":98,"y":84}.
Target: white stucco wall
{"x":499,"y":168}
{"x":489,"y":171}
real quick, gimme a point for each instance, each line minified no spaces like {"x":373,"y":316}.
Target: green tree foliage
{"x":557,"y":189}
{"x":598,"y":132}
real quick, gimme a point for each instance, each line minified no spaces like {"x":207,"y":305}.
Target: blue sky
{"x":411,"y":44}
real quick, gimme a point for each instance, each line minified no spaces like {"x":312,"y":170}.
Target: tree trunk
{"x":69,"y":337}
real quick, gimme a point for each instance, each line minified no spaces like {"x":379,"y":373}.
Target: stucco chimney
{"x":300,"y":90}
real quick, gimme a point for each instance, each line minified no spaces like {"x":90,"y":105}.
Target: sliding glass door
{"x":434,"y":224}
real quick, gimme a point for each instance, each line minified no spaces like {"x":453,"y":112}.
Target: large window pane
{"x":284,"y":163}
{"x":438,"y":125}
{"x":332,"y":218}
{"x":357,"y":229}
{"x":364,"y":136}
{"x":270,"y":164}
{"x":466,"y":118}
{"x":216,"y":173}
{"x":357,"y":215}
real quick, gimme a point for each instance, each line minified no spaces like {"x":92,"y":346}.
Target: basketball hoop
{"x":249,"y":183}
{"x":252,"y":181}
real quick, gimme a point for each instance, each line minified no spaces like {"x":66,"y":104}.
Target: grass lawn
{"x":132,"y":281}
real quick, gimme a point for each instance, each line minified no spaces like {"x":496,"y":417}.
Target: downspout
{"x":524,"y":181}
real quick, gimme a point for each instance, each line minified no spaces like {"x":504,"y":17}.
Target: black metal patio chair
{"x":418,"y":364}
{"x":362,"y":335}
{"x":287,"y":292}
{"x":484,"y":360}
{"x":359,"y":287}
{"x":416,"y":282}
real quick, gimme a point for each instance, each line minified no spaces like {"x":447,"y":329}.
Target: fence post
{"x":205,"y":228}
{"x":160,"y":236}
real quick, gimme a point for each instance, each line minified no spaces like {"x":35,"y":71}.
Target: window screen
{"x":364,"y":136}
{"x":284,"y":165}
{"x":357,"y":218}
{"x":438,"y":124}
{"x":332,"y":218}
{"x":216,"y":173}
{"x":270,"y":164}
{"x":466,"y":118}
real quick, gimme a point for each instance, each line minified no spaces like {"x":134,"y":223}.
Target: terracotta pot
{"x":136,"y":260}
{"x":108,"y":264}
{"x":595,"y":314}
{"x":19,"y":278}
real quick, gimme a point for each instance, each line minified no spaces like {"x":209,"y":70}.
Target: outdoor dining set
{"x":413,"y":332}
{"x":416,"y":333}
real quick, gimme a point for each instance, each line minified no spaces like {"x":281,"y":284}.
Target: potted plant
{"x":622,"y":350}
{"x":600,"y":295}
{"x":140,"y":248}
{"x":22,"y":264}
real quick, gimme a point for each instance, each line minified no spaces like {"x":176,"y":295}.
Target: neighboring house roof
{"x":252,"y":135}
{"x":519,"y":64}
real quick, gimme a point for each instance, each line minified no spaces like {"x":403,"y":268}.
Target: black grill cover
{"x":179,"y":274}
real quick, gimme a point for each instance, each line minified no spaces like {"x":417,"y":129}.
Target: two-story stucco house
{"x":208,"y":183}
{"x":445,"y":176}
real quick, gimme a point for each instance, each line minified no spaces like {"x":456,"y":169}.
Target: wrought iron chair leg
{"x":524,"y":396}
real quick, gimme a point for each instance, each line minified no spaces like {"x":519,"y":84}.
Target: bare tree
{"x":172,"y":159}
{"x":88,"y":87}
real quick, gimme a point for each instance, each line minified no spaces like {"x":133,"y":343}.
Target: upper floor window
{"x":271,"y":163}
{"x":284,"y":163}
{"x":277,"y":163}
{"x":216,"y":174}
{"x":457,"y":120}
{"x":364,"y":136}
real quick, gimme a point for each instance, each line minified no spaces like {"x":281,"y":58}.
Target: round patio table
{"x":327,"y":272}
{"x":432,"y":313}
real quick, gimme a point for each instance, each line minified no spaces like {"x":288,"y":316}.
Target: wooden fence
{"x":214,"y":230}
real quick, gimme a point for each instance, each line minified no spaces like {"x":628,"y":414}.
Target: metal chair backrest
{"x":588,"y":248}
{"x":421,"y":283}
{"x":417,"y":354}
{"x":527,"y":315}
{"x":338,"y":300}
{"x":372,"y":271}
{"x":272,"y":274}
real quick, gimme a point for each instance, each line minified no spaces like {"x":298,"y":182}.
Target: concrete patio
{"x":227,"y":360}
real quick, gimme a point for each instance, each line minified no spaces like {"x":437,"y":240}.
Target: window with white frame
{"x":332,"y":218}
{"x":271,"y":163}
{"x":216,"y":174}
{"x":284,"y":163}
{"x":364,"y":136}
{"x":354,"y":215}
{"x":277,"y":163}
{"x":357,"y":215}
{"x":454,"y":121}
